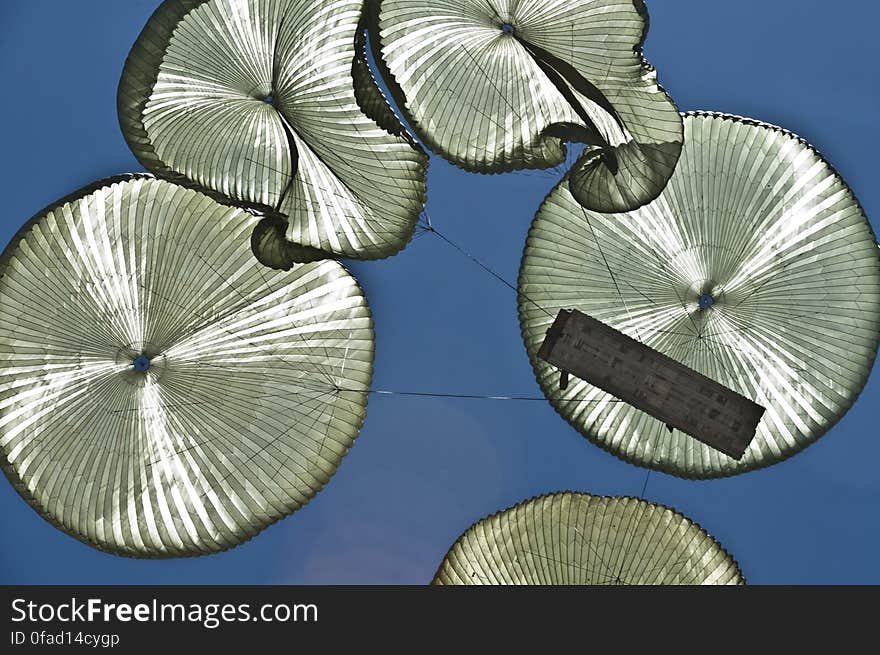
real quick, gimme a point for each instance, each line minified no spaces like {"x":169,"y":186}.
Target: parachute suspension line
{"x":275,"y":51}
{"x":753,"y":228}
{"x":629,"y":537}
{"x":288,"y":130}
{"x":161,"y":457}
{"x":601,"y":575}
{"x":770,"y":278}
{"x":325,"y":372}
{"x":491,"y":80}
{"x":247,"y":460}
{"x":610,"y":272}
{"x":676,"y":568}
{"x":544,"y":173}
{"x":491,"y":8}
{"x":320,"y":390}
{"x":645,"y":485}
{"x":297,"y":182}
{"x":471,"y":257}
{"x":593,"y":573}
{"x":592,"y":548}
{"x":424,"y":225}
{"x":465,"y":396}
{"x":272,"y":352}
{"x":319,"y":404}
{"x":723,"y":365}
{"x":671,"y":280}
{"x":315,"y":413}
{"x":335,"y":388}
{"x":561,"y":169}
{"x":430,"y":228}
{"x":294,"y":163}
{"x":700,"y":340}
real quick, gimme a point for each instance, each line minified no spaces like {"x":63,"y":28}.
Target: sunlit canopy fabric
{"x":255,"y":101}
{"x":756,"y":267}
{"x":578,"y":539}
{"x":499,"y":85}
{"x":161,"y":392}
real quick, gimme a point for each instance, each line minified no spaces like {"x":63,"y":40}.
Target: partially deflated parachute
{"x":756,"y":267}
{"x":255,"y":101}
{"x":161,"y":392}
{"x":579,"y":539}
{"x":499,"y":85}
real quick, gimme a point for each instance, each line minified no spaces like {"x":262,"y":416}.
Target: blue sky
{"x":424,"y":469}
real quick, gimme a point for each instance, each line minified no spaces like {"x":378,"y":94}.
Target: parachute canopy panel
{"x":498,"y":85}
{"x":162,"y":393}
{"x":756,"y":267}
{"x":578,"y":539}
{"x":652,"y":382}
{"x":255,"y":101}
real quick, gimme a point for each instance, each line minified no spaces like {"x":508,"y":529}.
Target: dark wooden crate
{"x":652,"y":382}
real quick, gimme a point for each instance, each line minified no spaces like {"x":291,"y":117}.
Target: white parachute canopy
{"x":756,"y":267}
{"x":161,"y":392}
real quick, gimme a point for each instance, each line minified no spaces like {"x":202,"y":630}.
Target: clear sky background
{"x":424,"y":469}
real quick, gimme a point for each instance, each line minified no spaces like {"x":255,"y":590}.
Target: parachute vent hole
{"x":269,"y":99}
{"x":141,"y":363}
{"x":706,"y":301}
{"x":507,"y":28}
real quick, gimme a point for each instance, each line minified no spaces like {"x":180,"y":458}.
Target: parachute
{"x":755,"y":267}
{"x":579,"y":539}
{"x":161,"y":392}
{"x":255,"y":103}
{"x":498,"y":85}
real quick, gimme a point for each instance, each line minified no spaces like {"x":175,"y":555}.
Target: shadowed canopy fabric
{"x":499,"y":85}
{"x":578,"y":539}
{"x":255,"y":101}
{"x":756,"y":267}
{"x":161,"y":392}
